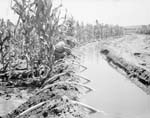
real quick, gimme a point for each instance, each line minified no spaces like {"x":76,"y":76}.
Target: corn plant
{"x":59,"y":89}
{"x":5,"y":37}
{"x":39,"y":22}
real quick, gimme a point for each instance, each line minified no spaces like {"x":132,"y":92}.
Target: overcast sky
{"x":122,"y":12}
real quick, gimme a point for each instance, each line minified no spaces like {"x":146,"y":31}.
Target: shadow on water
{"x":114,"y":94}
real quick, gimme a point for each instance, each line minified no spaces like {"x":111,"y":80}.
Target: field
{"x":41,"y":60}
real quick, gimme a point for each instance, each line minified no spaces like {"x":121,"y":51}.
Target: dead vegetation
{"x":34,"y":59}
{"x":36,"y":56}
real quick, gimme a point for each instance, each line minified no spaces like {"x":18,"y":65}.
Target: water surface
{"x":114,"y":93}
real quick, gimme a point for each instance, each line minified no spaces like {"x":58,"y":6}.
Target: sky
{"x":121,"y":12}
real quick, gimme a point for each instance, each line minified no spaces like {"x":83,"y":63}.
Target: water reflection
{"x":114,"y":93}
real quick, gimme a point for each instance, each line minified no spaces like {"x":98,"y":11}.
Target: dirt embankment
{"x":130,"y":56}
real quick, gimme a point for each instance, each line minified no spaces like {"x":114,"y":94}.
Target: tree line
{"x":144,"y":29}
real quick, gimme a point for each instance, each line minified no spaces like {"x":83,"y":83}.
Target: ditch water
{"x":114,"y":94}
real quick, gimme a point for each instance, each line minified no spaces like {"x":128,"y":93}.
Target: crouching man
{"x":62,"y":49}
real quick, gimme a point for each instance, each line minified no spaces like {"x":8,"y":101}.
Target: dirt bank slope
{"x":131,"y":56}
